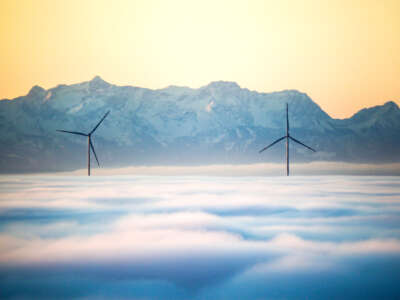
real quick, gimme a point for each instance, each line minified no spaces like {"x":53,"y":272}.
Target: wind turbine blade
{"x":73,"y":132}
{"x":99,"y":122}
{"x":94,"y":152}
{"x":278,"y":140}
{"x":294,"y":140}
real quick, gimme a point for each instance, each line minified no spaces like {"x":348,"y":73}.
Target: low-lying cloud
{"x":258,"y":169}
{"x":145,"y":237}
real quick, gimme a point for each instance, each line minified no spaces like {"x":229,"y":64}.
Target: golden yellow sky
{"x":344,"y":54}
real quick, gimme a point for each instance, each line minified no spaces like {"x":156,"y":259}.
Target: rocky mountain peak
{"x":36,"y":91}
{"x":391,"y":105}
{"x":98,"y":83}
{"x":223,"y":85}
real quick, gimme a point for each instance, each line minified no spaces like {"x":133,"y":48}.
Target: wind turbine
{"x":287,"y":137}
{"x":89,"y":136}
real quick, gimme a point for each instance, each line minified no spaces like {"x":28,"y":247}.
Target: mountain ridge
{"x":96,"y":79}
{"x":216,"y":123}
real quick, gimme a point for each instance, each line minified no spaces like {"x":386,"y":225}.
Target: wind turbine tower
{"x":90,"y":144}
{"x":287,"y":137}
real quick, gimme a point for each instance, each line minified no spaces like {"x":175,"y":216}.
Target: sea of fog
{"x":199,"y":237}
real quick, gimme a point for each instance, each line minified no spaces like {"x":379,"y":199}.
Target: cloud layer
{"x":258,"y":169}
{"x":149,"y":237}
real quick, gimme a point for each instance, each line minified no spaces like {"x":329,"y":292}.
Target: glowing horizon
{"x":344,"y":54}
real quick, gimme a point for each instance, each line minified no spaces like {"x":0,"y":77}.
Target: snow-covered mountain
{"x":217,"y":123}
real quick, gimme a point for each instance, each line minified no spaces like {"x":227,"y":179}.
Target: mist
{"x":199,"y":237}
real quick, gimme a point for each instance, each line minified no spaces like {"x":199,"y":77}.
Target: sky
{"x":141,"y":237}
{"x":344,"y":54}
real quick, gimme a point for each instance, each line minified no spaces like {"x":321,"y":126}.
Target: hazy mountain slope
{"x":218,"y":123}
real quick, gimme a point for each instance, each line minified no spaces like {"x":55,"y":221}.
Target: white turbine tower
{"x":287,"y":137}
{"x":89,"y":136}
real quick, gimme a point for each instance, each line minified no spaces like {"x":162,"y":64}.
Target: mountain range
{"x":220,"y":123}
